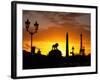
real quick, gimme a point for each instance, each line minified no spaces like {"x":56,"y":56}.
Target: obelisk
{"x":67,"y":45}
{"x":81,"y":44}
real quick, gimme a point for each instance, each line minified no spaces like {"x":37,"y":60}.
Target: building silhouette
{"x":33,"y":49}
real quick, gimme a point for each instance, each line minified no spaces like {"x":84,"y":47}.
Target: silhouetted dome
{"x":55,"y":53}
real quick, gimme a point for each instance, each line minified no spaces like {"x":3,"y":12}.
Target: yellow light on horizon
{"x":45,"y":47}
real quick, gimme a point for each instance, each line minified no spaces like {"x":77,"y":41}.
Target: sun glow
{"x":53,"y":29}
{"x":45,"y":47}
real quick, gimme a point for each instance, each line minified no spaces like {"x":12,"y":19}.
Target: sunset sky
{"x":53,"y":27}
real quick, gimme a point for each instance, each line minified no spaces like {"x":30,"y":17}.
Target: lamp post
{"x":27,"y":25}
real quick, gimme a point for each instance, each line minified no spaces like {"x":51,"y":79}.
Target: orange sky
{"x":53,"y":27}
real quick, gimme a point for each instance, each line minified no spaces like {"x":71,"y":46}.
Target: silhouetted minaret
{"x":67,"y":45}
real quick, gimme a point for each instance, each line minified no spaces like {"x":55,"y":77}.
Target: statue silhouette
{"x":54,"y":47}
{"x":39,"y":52}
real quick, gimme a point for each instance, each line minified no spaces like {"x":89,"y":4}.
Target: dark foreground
{"x":53,"y":60}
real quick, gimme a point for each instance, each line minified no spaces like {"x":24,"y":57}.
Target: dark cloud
{"x":46,"y":19}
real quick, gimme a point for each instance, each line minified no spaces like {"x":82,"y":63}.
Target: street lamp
{"x":36,"y":26}
{"x":27,"y":25}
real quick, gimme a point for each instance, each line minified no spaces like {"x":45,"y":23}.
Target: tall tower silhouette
{"x":80,"y":41}
{"x":67,"y":45}
{"x":81,"y":46}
